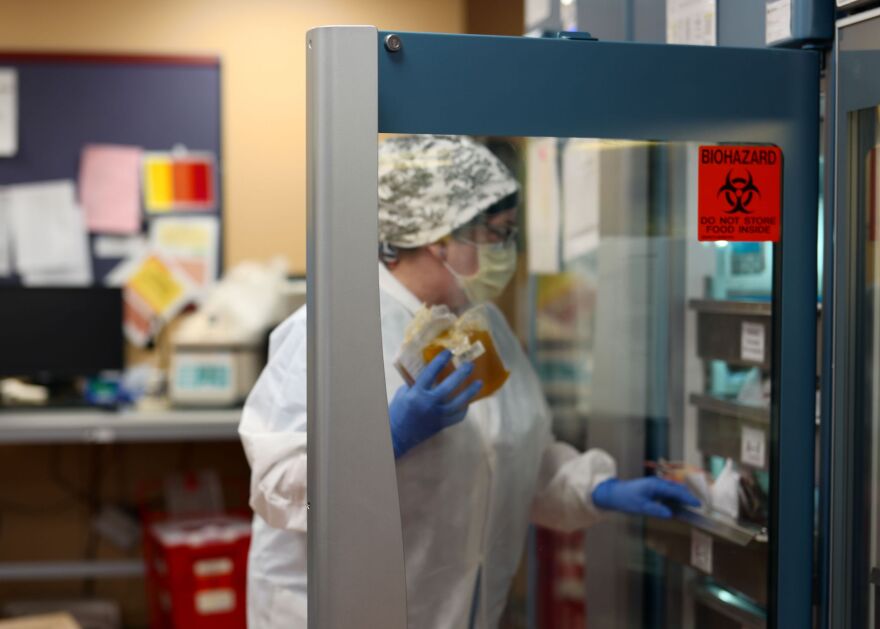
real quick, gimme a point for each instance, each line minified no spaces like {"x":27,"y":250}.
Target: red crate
{"x":197,"y":572}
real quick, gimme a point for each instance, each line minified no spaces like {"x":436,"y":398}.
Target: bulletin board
{"x":67,"y":101}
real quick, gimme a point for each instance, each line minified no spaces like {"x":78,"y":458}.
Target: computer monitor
{"x":59,"y":333}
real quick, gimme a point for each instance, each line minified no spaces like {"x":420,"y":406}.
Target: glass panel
{"x":629,"y":345}
{"x":864,"y":138}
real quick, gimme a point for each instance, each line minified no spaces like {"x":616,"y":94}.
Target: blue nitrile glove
{"x":422,"y":410}
{"x":643,"y":496}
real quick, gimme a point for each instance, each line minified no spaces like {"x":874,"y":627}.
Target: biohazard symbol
{"x":739,"y":192}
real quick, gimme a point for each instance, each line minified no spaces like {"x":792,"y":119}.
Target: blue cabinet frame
{"x":508,"y":86}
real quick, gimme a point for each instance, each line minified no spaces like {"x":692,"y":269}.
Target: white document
{"x":119,"y":246}
{"x":542,"y":209}
{"x":580,"y":198}
{"x":49,"y":238}
{"x":536,"y":12}
{"x":5,"y":237}
{"x":778,"y":22}
{"x":691,"y":22}
{"x":79,"y":276}
{"x":8,"y":112}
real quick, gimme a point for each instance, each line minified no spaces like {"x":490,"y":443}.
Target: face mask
{"x":497,"y":266}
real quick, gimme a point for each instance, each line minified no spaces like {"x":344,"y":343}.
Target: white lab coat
{"x":467,"y":494}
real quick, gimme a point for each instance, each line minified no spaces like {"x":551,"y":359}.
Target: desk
{"x":56,"y":426}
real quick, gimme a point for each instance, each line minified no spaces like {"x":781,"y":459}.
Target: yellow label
{"x":156,"y":285}
{"x":181,"y":236}
{"x":158,"y":184}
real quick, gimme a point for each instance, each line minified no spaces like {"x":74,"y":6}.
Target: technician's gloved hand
{"x":643,"y":496}
{"x":422,"y":410}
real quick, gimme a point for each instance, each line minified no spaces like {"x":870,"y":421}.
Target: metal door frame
{"x":843,"y":437}
{"x":506,"y":86}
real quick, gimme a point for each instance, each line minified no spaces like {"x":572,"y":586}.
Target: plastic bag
{"x":469,"y":339}
{"x":725,"y":491}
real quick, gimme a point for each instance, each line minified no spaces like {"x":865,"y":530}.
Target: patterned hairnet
{"x":431,"y":185}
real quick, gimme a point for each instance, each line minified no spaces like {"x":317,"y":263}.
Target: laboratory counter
{"x":91,"y":425}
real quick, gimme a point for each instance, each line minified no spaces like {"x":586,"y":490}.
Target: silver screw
{"x":393,"y":43}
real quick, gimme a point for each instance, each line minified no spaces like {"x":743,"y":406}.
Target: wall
{"x":494,"y":17}
{"x":261,"y":43}
{"x":261,"y":46}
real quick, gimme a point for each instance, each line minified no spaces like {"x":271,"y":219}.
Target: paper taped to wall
{"x":580,"y":198}
{"x":192,"y":242}
{"x":49,"y":240}
{"x":5,"y":237}
{"x":542,"y":205}
{"x":155,"y":291}
{"x":109,"y":188}
{"x":8,"y":112}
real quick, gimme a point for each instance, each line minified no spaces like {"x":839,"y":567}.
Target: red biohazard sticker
{"x":740,"y":194}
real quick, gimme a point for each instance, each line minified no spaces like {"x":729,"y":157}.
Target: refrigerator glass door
{"x":651,"y":317}
{"x":853,"y":548}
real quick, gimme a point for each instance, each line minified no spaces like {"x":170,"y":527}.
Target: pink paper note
{"x":109,"y":188}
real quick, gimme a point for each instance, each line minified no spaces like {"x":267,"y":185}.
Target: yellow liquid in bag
{"x":488,"y":367}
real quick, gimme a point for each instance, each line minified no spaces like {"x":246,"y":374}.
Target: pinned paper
{"x":5,"y":237}
{"x":537,"y":11}
{"x":777,"y":22}
{"x":119,"y":246}
{"x":158,"y":285}
{"x":580,"y":198}
{"x":155,"y":291}
{"x":192,"y":242}
{"x":8,"y":112}
{"x":179,"y":182}
{"x":49,"y":239}
{"x":109,"y":188}
{"x":74,"y":276}
{"x":542,"y":215}
{"x":692,"y":22}
{"x":158,"y":184}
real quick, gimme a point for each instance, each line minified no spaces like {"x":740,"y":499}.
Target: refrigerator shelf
{"x":723,"y":424}
{"x":742,"y":308}
{"x":723,"y":527}
{"x":736,"y":566}
{"x":725,"y":406}
{"x":736,"y":332}
{"x":726,"y":606}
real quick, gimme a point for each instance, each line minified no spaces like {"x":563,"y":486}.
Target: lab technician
{"x":471,"y":477}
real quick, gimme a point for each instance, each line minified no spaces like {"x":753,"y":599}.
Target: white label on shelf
{"x":701,"y":551}
{"x":753,"y":447}
{"x":691,"y":22}
{"x":752,"y":342}
{"x":778,"y":23}
{"x":212,"y":567}
{"x":217,"y":601}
